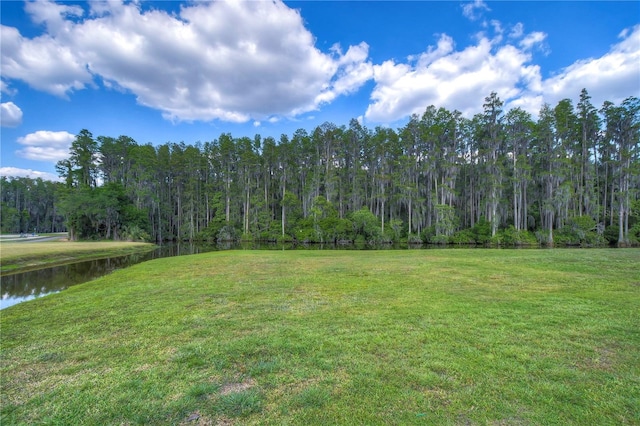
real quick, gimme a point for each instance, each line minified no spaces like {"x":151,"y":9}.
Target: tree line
{"x":29,"y":205}
{"x":571,"y":176}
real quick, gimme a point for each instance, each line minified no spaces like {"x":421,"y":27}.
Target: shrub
{"x":481,"y":231}
{"x":428,"y":233}
{"x":286,"y":238}
{"x":228,"y":233}
{"x":512,"y":237}
{"x":414,"y":239}
{"x":307,"y":235}
{"x":439,"y":239}
{"x":135,"y":233}
{"x":464,"y":236}
{"x":580,"y":230}
{"x":360,"y":242}
{"x":366,"y":224}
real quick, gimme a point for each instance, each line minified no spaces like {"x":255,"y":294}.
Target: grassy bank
{"x":498,"y":337}
{"x":16,"y":256}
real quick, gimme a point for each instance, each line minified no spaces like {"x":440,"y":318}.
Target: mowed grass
{"x":443,"y":337}
{"x":18,"y":256}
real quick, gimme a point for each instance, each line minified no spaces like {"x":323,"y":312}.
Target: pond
{"x":24,"y":286}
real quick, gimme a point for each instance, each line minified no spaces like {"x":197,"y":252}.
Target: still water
{"x":29,"y":285}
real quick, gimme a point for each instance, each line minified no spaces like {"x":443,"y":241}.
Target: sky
{"x":169,"y":71}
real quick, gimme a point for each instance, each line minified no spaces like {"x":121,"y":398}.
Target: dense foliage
{"x":29,"y":205}
{"x":571,"y":176}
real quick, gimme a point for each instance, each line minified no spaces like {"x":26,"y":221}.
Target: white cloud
{"x":517,"y":31}
{"x":533,"y":39}
{"x":10,"y":114}
{"x":228,"y":60}
{"x":350,"y":72}
{"x":52,"y":14}
{"x":443,"y":76}
{"x":4,"y":88}
{"x":453,"y":79}
{"x":34,"y":174}
{"x":613,"y":77}
{"x":45,"y":145}
{"x":42,"y":62}
{"x":474,"y":10}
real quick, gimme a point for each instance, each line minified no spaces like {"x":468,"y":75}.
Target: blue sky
{"x":168,"y":71}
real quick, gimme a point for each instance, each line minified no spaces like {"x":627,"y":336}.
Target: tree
{"x":566,"y":162}
{"x":490,"y":150}
{"x":589,"y":127}
{"x":547,"y":156}
{"x":519,"y":134}
{"x":81,"y":169}
{"x":28,"y":205}
{"x":367,"y":225}
{"x":453,"y":176}
{"x":623,"y":129}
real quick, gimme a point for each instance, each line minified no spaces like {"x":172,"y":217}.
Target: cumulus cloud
{"x":4,"y":88}
{"x":42,"y":62}
{"x":534,"y":39}
{"x":612,"y":77}
{"x":34,"y":174}
{"x":473,"y":11}
{"x":45,"y":145}
{"x":51,"y":14}
{"x":460,"y":79}
{"x":254,"y":61}
{"x":227,"y":60}
{"x":443,"y":76}
{"x":517,"y":31}
{"x":350,"y":72}
{"x":10,"y":114}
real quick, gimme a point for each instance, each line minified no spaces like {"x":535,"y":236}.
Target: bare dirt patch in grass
{"x":236,"y":387}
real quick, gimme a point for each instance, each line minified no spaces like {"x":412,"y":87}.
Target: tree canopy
{"x":570,"y":176}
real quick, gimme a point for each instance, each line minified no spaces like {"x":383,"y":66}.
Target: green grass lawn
{"x":19,"y":256}
{"x":443,"y":337}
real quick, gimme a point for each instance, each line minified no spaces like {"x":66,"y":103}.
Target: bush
{"x":382,"y":239}
{"x":512,"y":237}
{"x":439,"y":239}
{"x":428,"y":233}
{"x":463,"y":237}
{"x":135,"y":233}
{"x":634,"y":232}
{"x":394,"y":229}
{"x":612,"y":232}
{"x":481,"y":231}
{"x":566,"y":236}
{"x":366,"y":224}
{"x":542,"y":236}
{"x":209,"y":234}
{"x":414,"y":239}
{"x":228,"y":233}
{"x":286,"y":238}
{"x":360,"y":242}
{"x":580,"y":230}
{"x":307,"y":235}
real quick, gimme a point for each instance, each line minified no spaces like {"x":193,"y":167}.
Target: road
{"x":14,"y":238}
